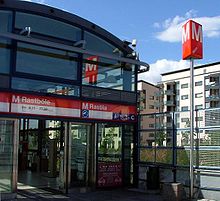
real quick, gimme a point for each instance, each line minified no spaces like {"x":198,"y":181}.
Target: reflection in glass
{"x":79,"y":135}
{"x":47,"y":26}
{"x":109,"y":143}
{"x":6,"y":154}
{"x":45,"y":87}
{"x":102,"y":72}
{"x":46,"y":61}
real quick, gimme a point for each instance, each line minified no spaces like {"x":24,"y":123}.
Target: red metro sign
{"x":192,"y":40}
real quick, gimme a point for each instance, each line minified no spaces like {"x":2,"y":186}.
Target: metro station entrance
{"x":59,"y":155}
{"x":54,"y":154}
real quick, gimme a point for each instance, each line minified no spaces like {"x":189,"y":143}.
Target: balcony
{"x":170,"y":92}
{"x":170,"y":103}
{"x":213,"y":98}
{"x":213,"y":85}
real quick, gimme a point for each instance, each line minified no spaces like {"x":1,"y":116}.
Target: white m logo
{"x":195,"y":30}
{"x":196,"y":34}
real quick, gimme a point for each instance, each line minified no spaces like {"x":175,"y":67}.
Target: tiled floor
{"x":31,"y":180}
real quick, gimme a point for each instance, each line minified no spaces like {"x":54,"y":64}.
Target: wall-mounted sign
{"x":50,"y":106}
{"x":109,"y":174}
{"x":96,"y":110}
{"x":91,"y":70}
{"x":192,"y":40}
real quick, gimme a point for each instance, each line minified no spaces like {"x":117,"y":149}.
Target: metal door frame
{"x":14,"y":178}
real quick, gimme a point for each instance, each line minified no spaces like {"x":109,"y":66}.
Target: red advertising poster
{"x":109,"y":174}
{"x":91,"y":70}
{"x":192,"y":40}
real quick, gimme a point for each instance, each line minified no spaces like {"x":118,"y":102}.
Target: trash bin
{"x":153,"y":178}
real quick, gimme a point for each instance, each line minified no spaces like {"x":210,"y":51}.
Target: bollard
{"x":172,"y":191}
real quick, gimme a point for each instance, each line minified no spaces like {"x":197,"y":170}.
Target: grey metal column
{"x":191,"y":126}
{"x":66,"y":173}
{"x":15,"y":155}
{"x":93,"y":156}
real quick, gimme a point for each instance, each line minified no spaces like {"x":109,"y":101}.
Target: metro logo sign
{"x":91,"y":70}
{"x":192,"y":40}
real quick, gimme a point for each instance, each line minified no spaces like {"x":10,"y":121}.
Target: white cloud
{"x":162,"y":66}
{"x":173,"y":27}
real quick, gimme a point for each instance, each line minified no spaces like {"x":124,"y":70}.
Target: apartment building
{"x":176,"y":86}
{"x":150,"y":101}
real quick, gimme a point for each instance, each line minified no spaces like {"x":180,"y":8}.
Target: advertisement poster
{"x":109,"y":174}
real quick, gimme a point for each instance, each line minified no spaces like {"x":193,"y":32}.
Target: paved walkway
{"x":101,"y":195}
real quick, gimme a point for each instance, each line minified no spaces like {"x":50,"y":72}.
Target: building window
{"x":107,"y":73}
{"x":184,"y":86}
{"x":199,"y":95}
{"x":199,"y":83}
{"x":95,"y":43}
{"x":6,"y":26}
{"x":199,"y":118}
{"x":151,"y":107}
{"x":151,"y":125}
{"x":48,"y":27}
{"x":184,"y":119}
{"x":44,"y":61}
{"x":184,"y":108}
{"x":197,"y":107}
{"x":184,"y":97}
{"x":45,"y":87}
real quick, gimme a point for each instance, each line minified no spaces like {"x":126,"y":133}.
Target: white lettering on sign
{"x":98,"y":107}
{"x":185,"y":33}
{"x":24,"y":99}
{"x":93,"y":106}
{"x":196,"y":34}
{"x":85,"y":106}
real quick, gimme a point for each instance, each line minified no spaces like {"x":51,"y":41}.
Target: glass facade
{"x":6,"y":155}
{"x":108,"y":73}
{"x":43,"y":61}
{"x":44,"y":87}
{"x":30,"y":70}
{"x":5,"y":26}
{"x":46,"y":26}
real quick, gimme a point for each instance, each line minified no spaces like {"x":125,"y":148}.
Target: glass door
{"x":109,"y":155}
{"x":8,"y":155}
{"x":79,"y":137}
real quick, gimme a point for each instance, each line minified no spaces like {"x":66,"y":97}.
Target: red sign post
{"x":192,"y":41}
{"x":192,"y":49}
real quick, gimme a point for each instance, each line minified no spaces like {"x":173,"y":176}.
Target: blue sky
{"x":155,"y":24}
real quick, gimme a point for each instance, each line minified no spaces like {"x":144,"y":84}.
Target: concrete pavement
{"x":99,"y":195}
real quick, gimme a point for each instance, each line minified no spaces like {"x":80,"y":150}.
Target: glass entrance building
{"x":68,"y":97}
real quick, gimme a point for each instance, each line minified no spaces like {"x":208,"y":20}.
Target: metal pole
{"x":191,"y":126}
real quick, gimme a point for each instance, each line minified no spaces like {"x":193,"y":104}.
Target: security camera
{"x":134,"y":42}
{"x":26,"y":31}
